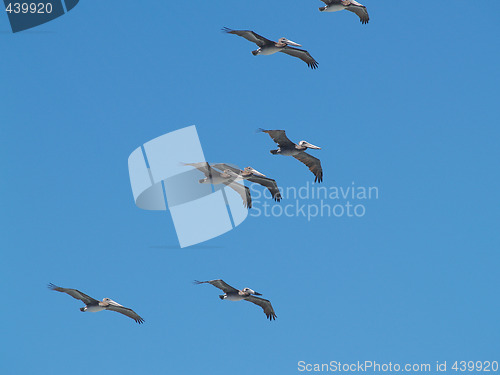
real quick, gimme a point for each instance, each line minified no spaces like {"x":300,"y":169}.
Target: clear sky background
{"x":407,"y":103}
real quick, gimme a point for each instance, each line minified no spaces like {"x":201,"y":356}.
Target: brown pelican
{"x":215,"y":177}
{"x":247,"y":294}
{"x":268,"y":47}
{"x":288,"y":148}
{"x":93,"y":305}
{"x":251,"y":175}
{"x":351,"y":5}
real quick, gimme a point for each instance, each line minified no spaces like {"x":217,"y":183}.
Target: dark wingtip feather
{"x":272,"y":317}
{"x":313,"y":65}
{"x":226,"y":30}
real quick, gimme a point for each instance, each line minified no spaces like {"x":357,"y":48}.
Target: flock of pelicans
{"x":269,"y":47}
{"x":230,"y":293}
{"x":228,"y":175}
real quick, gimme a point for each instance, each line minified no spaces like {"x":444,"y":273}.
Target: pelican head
{"x":285,"y":41}
{"x":109,"y":301}
{"x":251,"y":291}
{"x":308,"y":145}
{"x":254,"y":171}
{"x":83,"y":309}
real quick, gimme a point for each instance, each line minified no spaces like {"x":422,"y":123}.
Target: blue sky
{"x":407,"y":103}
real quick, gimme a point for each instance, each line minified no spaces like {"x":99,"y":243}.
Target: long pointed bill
{"x":257,"y":294}
{"x":289,"y":42}
{"x":254,"y":171}
{"x":308,"y":145}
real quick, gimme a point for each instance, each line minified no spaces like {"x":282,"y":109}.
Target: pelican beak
{"x":257,"y":294}
{"x":289,"y":42}
{"x":308,"y":145}
{"x":254,"y":171}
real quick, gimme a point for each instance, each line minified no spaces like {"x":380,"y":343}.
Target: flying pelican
{"x":93,"y":305}
{"x":288,"y":148}
{"x":213,"y":176}
{"x":351,"y":5}
{"x":233,"y":294}
{"x":268,"y":47}
{"x":251,"y":175}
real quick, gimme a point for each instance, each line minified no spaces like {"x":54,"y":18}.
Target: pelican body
{"x":271,"y":48}
{"x":295,"y":150}
{"x":239,"y":295}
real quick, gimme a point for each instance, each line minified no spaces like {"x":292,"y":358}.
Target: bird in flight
{"x":268,"y":47}
{"x":245,"y":294}
{"x":288,"y":148}
{"x":93,"y":305}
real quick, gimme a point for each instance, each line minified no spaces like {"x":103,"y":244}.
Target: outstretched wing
{"x":203,"y":167}
{"x":221,"y":284}
{"x":243,"y":191}
{"x":269,"y":183}
{"x":250,"y":36}
{"x":279,"y":137}
{"x":258,"y":179}
{"x":301,"y":54}
{"x":359,"y":9}
{"x":265,"y":304}
{"x":75,"y":294}
{"x":313,"y":163}
{"x":125,"y":311}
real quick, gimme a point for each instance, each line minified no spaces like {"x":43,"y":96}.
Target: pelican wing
{"x":265,"y":304}
{"x":279,"y":137}
{"x":243,"y":191}
{"x":203,"y":167}
{"x":74,"y":293}
{"x":258,"y":179}
{"x":250,"y":36}
{"x":313,"y":163}
{"x":221,"y":284}
{"x":269,"y":183}
{"x":112,"y":306}
{"x":359,"y":9}
{"x":301,"y":54}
